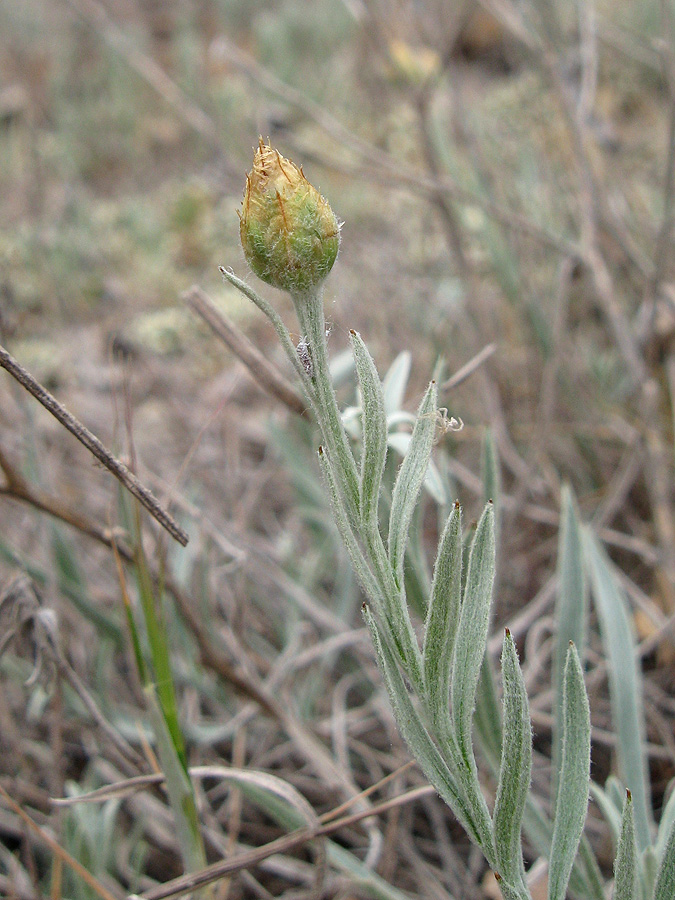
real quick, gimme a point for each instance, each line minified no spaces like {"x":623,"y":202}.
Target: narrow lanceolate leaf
{"x":395,"y":382}
{"x":625,"y":867}
{"x":409,"y":480}
{"x":361,"y":567}
{"x":624,"y":684}
{"x":572,"y":801}
{"x":374,"y":431}
{"x":514,"y":772}
{"x":478,"y":827}
{"x":472,"y":630}
{"x":665,"y":824}
{"x":492,"y":481}
{"x":570,"y":615}
{"x":509,"y":892}
{"x":665,"y":880}
{"x":441,"y":623}
{"x":487,"y":720}
{"x":178,"y":787}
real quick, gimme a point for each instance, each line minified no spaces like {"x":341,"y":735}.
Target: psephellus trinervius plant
{"x":442,"y":688}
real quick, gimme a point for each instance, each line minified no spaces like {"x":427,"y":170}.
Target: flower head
{"x":289,"y":233}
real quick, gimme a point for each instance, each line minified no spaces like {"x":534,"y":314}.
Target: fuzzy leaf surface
{"x":409,"y":480}
{"x":472,"y":632}
{"x":570,"y":615}
{"x":423,"y":748}
{"x":515,"y":768}
{"x":442,"y":620}
{"x":374,"y":431}
{"x":624,"y":683}
{"x":665,"y":880}
{"x":625,"y":867}
{"x":572,"y":801}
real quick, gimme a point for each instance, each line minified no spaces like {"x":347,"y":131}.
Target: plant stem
{"x":309,"y":310}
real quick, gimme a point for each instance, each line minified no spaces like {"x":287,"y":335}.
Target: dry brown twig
{"x":93,"y":444}
{"x":264,"y":373}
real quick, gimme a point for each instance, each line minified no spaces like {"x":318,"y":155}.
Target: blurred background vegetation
{"x":505,"y":172}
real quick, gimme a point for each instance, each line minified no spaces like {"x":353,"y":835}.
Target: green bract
{"x":289,"y":233}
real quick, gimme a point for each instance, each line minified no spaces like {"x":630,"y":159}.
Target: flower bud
{"x":289,"y":233}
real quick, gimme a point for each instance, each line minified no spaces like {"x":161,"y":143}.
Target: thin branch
{"x":248,"y":858}
{"x":266,"y":375}
{"x":94,"y":445}
{"x":144,"y":66}
{"x":58,"y":850}
{"x":663,"y":243}
{"x":467,"y":370}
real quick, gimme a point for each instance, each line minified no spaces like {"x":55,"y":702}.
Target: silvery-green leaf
{"x":472,"y":630}
{"x":423,"y":748}
{"x":341,"y":367}
{"x":442,"y":620}
{"x":487,"y":720}
{"x":492,"y":480}
{"x":624,"y":683}
{"x":361,"y":566}
{"x":395,"y":382}
{"x":625,"y":867}
{"x":586,"y":879}
{"x":400,"y":417}
{"x":607,"y":807}
{"x":666,"y":822}
{"x":351,"y":419}
{"x":570,"y":615}
{"x":648,"y":870}
{"x":433,"y":482}
{"x":416,"y":572}
{"x":409,"y":480}
{"x":374,"y":423}
{"x":509,"y":891}
{"x":514,"y":771}
{"x":665,"y":880}
{"x":572,"y":800}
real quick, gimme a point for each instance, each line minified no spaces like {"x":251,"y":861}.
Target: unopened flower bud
{"x":289,"y":233}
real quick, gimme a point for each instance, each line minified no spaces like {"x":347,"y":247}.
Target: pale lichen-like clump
{"x":289,"y":233}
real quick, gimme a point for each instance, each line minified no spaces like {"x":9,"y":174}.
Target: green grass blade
{"x":624,"y":684}
{"x":572,"y":801}
{"x":178,"y":787}
{"x":514,"y":772}
{"x":159,"y":651}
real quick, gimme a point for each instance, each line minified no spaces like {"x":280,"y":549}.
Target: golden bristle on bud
{"x":289,"y":233}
